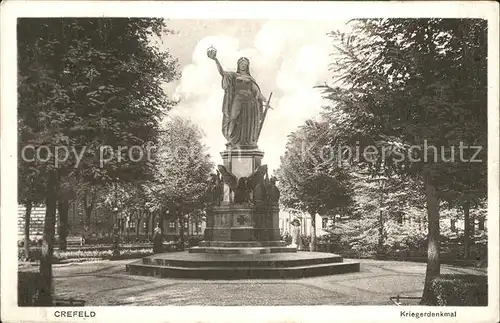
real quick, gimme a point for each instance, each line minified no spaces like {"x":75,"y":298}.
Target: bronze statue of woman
{"x":243,"y":105}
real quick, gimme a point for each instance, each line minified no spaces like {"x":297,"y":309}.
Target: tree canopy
{"x":182,"y":167}
{"x":310,"y":179}
{"x":407,"y":101}
{"x":404,"y":85}
{"x":87,"y":87}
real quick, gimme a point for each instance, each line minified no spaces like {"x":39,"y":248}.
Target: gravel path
{"x":106,"y":283}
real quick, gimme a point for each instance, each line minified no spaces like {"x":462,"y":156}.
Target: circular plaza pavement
{"x":106,"y":283}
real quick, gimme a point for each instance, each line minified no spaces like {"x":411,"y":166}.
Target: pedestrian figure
{"x":296,"y":239}
{"x":116,"y":242}
{"x":157,"y":240}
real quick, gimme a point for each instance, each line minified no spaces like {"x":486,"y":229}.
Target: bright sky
{"x":287,"y":58}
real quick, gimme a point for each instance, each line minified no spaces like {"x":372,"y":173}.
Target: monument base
{"x":242,"y":223}
{"x":242,"y":239}
{"x":242,"y":266}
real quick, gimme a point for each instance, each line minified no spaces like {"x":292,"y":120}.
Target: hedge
{"x":459,"y":290}
{"x":90,"y":255}
{"x":28,"y":288}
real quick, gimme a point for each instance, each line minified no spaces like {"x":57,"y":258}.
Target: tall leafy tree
{"x":182,"y":171}
{"x":405,"y":85}
{"x":381,"y":207}
{"x":84,"y":84}
{"x":130,"y":200}
{"x":310,"y":179}
{"x":30,"y":194}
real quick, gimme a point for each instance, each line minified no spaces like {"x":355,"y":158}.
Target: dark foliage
{"x":459,"y":290}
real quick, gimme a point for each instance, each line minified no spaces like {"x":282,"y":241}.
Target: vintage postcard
{"x":249,"y":161}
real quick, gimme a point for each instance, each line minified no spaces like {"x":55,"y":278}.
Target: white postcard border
{"x":10,"y":10}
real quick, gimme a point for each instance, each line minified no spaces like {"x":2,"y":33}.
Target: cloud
{"x":286,"y":58}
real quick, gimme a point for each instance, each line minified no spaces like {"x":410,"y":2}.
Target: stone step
{"x":241,"y":251}
{"x":243,"y":261}
{"x":232,"y":272}
{"x":242,"y":244}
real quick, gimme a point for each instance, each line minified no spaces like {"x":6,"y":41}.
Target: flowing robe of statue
{"x":242,"y":109}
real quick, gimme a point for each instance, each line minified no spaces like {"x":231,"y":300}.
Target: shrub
{"x":329,"y":238}
{"x":35,"y":253}
{"x":306,"y":240}
{"x":102,"y":254}
{"x":136,"y":239}
{"x":88,"y":255}
{"x":33,"y":242}
{"x":286,"y":237}
{"x":28,"y":288}
{"x":459,"y":290}
{"x":195,"y":240}
{"x":128,"y":253}
{"x":123,"y":239}
{"x":98,"y":241}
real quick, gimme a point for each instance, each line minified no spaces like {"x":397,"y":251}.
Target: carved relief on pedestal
{"x":242,"y":219}
{"x":242,"y":187}
{"x":226,"y":220}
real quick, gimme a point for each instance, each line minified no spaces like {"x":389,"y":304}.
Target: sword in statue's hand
{"x":264,"y":114}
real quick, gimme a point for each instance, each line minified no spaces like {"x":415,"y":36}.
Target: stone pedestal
{"x":240,"y":162}
{"x":245,"y":222}
{"x":242,"y":238}
{"x":234,"y":226}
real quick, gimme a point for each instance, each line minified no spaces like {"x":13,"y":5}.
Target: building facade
{"x":101,"y":224}
{"x":323,"y":223}
{"x":286,"y":218}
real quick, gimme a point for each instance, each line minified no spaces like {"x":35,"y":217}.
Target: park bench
{"x":404,"y":300}
{"x":68,"y":302}
{"x":74,"y":240}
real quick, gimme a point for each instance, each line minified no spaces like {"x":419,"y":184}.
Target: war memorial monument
{"x":242,"y":237}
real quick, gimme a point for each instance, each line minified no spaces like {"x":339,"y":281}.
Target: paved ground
{"x":107,"y":283}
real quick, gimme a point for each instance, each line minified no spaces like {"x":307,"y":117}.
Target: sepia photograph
{"x":170,"y":159}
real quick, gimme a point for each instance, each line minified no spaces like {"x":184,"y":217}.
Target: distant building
{"x":286,"y":218}
{"x":323,"y":223}
{"x":101,"y":224}
{"x":36,"y":222}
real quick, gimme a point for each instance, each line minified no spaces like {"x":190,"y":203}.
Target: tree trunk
{"x":88,"y":207}
{"x":153,"y":224}
{"x":63,"y":209}
{"x":164,"y":216}
{"x":467,"y":230}
{"x":137,"y":228}
{"x":181,"y":233}
{"x":380,"y":245}
{"x":45,"y":296}
{"x":147,"y":219}
{"x":312,"y":247}
{"x":181,"y":229}
{"x":381,"y":238}
{"x":480,"y":225}
{"x":127,"y":225}
{"x":433,"y":246}
{"x":27,"y":218}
